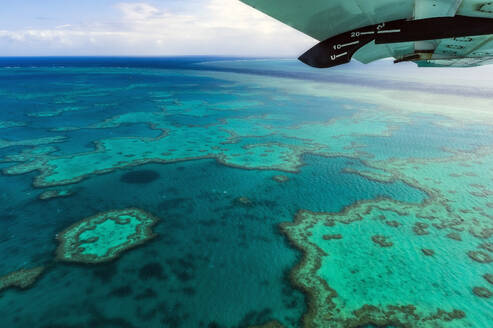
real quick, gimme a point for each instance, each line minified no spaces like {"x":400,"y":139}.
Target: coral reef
{"x":55,"y":193}
{"x":104,"y":236}
{"x":420,"y":228}
{"x":280,"y":178}
{"x":244,"y":201}
{"x":480,"y":256}
{"x":382,"y":241}
{"x":482,"y":292}
{"x":23,"y":278}
{"x":227,"y":143}
{"x":428,"y":252}
{"x":55,"y":112}
{"x":392,"y":223}
{"x":455,"y":236}
{"x":270,"y":324}
{"x":11,"y":124}
{"x":487,"y":246}
{"x":336,"y":281}
{"x":31,"y":142}
{"x":329,"y":237}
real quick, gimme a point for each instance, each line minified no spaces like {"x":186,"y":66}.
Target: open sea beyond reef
{"x":223,"y":192}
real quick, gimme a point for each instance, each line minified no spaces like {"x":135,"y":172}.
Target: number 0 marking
{"x":334,"y":57}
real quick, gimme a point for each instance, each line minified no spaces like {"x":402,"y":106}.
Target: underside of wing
{"x":322,"y":19}
{"x":462,"y":52}
{"x":455,"y":33}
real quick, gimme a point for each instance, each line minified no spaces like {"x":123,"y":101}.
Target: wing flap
{"x":460,"y":47}
{"x":372,"y":51}
{"x":462,"y":52}
{"x":457,"y":62}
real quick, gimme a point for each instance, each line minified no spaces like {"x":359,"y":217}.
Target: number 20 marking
{"x":355,"y":34}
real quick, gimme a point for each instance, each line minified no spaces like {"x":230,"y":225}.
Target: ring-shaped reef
{"x":104,"y":236}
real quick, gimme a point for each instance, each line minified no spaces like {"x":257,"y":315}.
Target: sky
{"x":147,"y":28}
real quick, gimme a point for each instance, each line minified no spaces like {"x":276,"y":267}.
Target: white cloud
{"x":63,"y":26}
{"x":138,"y":11}
{"x":213,"y":27}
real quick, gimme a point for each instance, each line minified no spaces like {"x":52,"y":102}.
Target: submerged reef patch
{"x":427,"y":251}
{"x":487,"y":246}
{"x":488,"y":277}
{"x":31,"y":142}
{"x":420,"y":228}
{"x":482,"y":292}
{"x":330,"y":237}
{"x":56,"y":193}
{"x":392,"y":223}
{"x":104,"y":236}
{"x":382,"y":241}
{"x":270,"y":324}
{"x":455,"y":236}
{"x":152,"y":270}
{"x":23,"y":278}
{"x":480,"y":256}
{"x":55,"y":112}
{"x":244,"y":201}
{"x":11,"y":124}
{"x":280,"y":178}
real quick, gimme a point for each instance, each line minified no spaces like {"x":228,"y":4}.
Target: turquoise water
{"x":430,"y":140}
{"x":216,"y":257}
{"x":219,"y":258}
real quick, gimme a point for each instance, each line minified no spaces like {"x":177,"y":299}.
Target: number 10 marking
{"x":339,"y":46}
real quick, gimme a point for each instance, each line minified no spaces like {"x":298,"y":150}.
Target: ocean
{"x":235,"y":192}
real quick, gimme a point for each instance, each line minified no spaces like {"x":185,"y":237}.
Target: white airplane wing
{"x":428,"y":32}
